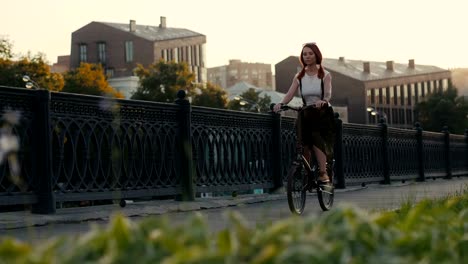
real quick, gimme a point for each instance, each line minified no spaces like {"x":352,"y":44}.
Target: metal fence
{"x":77,"y":147}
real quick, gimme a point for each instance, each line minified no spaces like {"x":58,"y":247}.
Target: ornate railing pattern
{"x":362,"y":147}
{"x":231,"y":150}
{"x":18,"y":102}
{"x":434,"y":155}
{"x":458,"y":155}
{"x":114,"y":149}
{"x":288,"y":137}
{"x":402,"y":154}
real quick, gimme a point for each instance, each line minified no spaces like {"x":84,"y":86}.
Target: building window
{"x":423,"y":89}
{"x":387,"y":95}
{"x":401,"y":95}
{"x":372,"y":98}
{"x":406,"y":99}
{"x":102,"y":52}
{"x":411,"y":92}
{"x":418,"y":96}
{"x":445,"y":84}
{"x":83,"y":53}
{"x":128,"y":51}
{"x":377,"y":96}
{"x":110,"y":72}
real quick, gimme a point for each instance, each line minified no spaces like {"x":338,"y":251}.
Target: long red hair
{"x":318,"y":60}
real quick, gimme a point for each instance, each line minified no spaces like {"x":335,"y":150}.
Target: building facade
{"x":120,"y":47}
{"x":257,"y":74}
{"x":391,"y":89}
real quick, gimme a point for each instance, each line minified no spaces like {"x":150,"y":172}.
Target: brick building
{"x":120,"y":47}
{"x":393,"y":89}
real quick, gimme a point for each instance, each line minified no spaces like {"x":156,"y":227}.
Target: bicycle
{"x":303,"y":177}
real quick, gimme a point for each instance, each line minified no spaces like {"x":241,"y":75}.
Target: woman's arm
{"x":289,"y":95}
{"x":327,"y":87}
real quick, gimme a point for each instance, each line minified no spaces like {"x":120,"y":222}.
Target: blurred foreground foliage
{"x":432,"y":231}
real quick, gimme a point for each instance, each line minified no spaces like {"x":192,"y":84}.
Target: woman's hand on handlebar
{"x":277,"y":107}
{"x":320,"y":103}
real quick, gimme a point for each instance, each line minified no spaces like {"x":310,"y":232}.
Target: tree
{"x":444,"y":109}
{"x":162,"y":80}
{"x":6,"y":49}
{"x":250,"y":100}
{"x":210,"y":96}
{"x":89,"y":79}
{"x":12,"y":72}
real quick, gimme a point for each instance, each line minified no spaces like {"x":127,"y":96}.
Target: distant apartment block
{"x":393,"y":89}
{"x":120,"y":47}
{"x":257,"y":74}
{"x":62,"y":65}
{"x":460,"y":80}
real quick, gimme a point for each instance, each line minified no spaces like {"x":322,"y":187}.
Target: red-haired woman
{"x":315,"y":128}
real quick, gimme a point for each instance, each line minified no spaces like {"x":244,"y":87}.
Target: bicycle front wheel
{"x":325,"y":195}
{"x":296,"y":191}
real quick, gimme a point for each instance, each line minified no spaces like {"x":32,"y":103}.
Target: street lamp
{"x":243,"y":102}
{"x":30,"y":83}
{"x":375,"y":112}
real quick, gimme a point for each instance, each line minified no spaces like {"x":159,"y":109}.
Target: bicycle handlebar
{"x":285,"y":107}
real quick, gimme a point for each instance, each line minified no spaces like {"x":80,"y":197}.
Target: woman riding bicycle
{"x":315,"y":127}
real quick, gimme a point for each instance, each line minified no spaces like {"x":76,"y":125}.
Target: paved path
{"x":257,"y":209}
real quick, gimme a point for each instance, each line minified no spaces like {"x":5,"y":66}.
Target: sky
{"x":266,"y":31}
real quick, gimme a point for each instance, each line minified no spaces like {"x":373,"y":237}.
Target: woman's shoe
{"x":323,"y":177}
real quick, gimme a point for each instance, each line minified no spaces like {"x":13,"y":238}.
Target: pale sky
{"x":266,"y":31}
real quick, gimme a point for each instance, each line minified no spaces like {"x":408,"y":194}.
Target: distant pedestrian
{"x":315,"y":125}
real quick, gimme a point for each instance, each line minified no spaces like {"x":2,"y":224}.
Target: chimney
{"x":342,"y":59}
{"x":163,"y":22}
{"x":366,"y":66}
{"x":390,"y":65}
{"x":411,"y":64}
{"x":132,"y":25}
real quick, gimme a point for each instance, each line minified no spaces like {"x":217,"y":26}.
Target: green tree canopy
{"x":162,"y":80}
{"x":251,"y":101}
{"x":444,"y":109}
{"x":89,"y":79}
{"x":210,"y":96}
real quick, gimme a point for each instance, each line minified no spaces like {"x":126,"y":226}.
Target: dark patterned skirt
{"x":316,"y":127}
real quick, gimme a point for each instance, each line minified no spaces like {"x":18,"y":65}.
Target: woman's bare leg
{"x":306,"y":153}
{"x":322,"y":162}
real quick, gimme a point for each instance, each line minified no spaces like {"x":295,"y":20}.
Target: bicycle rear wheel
{"x":297,"y":180}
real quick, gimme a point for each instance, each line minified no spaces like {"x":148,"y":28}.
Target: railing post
{"x":277,"y":152}
{"x":448,"y":165}
{"x":338,"y":153}
{"x":386,"y":166}
{"x":185,"y":158}
{"x":466,"y":149}
{"x":420,"y":151}
{"x":42,"y":164}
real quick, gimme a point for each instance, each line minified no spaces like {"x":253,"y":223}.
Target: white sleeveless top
{"x":312,"y":90}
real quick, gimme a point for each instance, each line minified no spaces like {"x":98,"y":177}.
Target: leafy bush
{"x":428,"y":232}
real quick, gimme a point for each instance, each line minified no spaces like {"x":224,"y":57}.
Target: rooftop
{"x":376,"y":70}
{"x":154,"y":33}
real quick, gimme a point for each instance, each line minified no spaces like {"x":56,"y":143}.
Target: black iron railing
{"x":77,"y":147}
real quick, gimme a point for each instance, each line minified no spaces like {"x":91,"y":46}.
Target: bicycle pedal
{"x":326,"y":189}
